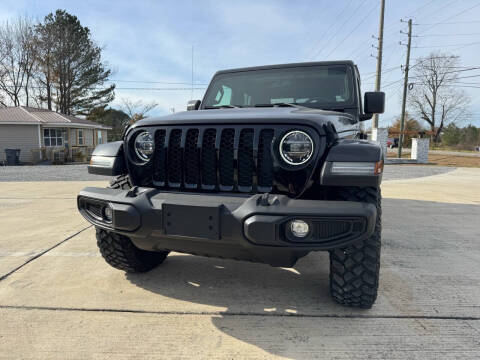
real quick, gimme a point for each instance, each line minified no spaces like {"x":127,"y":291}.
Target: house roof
{"x":28,"y":115}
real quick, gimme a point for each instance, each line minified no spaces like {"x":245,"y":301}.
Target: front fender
{"x":353,"y":163}
{"x":108,"y":159}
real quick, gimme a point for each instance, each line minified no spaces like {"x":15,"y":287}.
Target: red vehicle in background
{"x":392,"y":143}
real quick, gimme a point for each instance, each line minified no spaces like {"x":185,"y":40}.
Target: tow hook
{"x":267,"y":200}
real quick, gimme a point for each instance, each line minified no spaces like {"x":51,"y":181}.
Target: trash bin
{"x":13,"y":156}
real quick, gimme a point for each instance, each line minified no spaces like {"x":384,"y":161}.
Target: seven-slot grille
{"x":214,"y":158}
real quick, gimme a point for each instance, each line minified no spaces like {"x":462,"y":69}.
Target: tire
{"x":119,"y":251}
{"x":120,"y":182}
{"x":355,"y":269}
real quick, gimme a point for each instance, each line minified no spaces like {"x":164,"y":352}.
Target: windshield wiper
{"x":281,"y":104}
{"x":223,"y":107}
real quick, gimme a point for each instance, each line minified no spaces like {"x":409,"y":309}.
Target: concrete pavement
{"x":61,"y":300}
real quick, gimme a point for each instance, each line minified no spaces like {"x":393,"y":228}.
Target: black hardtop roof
{"x":290,"y":65}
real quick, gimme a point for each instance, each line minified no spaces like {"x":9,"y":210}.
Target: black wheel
{"x":355,"y":269}
{"x":120,"y":182}
{"x":119,"y":251}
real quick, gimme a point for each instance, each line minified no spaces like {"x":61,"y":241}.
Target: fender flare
{"x":352,"y":151}
{"x":108,"y":159}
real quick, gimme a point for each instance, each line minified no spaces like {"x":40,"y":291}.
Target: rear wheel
{"x":119,"y":251}
{"x":354,"y":270}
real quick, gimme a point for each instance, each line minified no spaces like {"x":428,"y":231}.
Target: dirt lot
{"x":448,"y":160}
{"x":60,"y":300}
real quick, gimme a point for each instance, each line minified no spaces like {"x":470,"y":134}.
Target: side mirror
{"x":374,"y":102}
{"x":193,"y":105}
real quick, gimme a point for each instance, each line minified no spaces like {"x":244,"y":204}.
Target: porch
{"x":60,"y":145}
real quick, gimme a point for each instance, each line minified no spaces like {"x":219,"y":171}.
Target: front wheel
{"x":355,"y":269}
{"x":119,"y":251}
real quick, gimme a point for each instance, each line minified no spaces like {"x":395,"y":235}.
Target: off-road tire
{"x":354,"y":270}
{"x":119,"y":251}
{"x":120,"y":182}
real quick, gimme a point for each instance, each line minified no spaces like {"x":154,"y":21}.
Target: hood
{"x":265,"y":115}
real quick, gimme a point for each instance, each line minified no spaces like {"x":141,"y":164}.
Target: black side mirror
{"x":193,"y":105}
{"x":374,"y":102}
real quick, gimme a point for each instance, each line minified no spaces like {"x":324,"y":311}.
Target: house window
{"x":80,"y":137}
{"x":52,"y":137}
{"x":99,"y":137}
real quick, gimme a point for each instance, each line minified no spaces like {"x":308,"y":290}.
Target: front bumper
{"x":251,"y":228}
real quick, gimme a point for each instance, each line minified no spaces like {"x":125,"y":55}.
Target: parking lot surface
{"x":80,"y":173}
{"x":59,"y":299}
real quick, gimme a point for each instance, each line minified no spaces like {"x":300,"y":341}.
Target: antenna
{"x":191,"y":95}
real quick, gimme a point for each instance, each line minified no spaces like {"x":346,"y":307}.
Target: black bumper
{"x":254,"y":228}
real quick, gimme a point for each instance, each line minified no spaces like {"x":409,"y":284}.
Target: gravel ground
{"x":48,"y":173}
{"x":80,"y":173}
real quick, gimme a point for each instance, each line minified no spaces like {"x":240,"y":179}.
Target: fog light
{"x":108,"y":213}
{"x":299,"y":228}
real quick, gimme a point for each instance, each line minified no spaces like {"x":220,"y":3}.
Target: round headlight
{"x":296,"y":147}
{"x":144,"y":146}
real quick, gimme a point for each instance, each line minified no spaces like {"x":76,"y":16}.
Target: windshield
{"x":322,"y":86}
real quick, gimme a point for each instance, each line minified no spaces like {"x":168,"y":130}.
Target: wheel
{"x":120,"y":182}
{"x":119,"y":251}
{"x":355,"y":269}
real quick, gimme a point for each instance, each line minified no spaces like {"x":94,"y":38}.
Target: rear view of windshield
{"x":312,"y":86}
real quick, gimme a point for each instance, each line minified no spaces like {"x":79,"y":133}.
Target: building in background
{"x":46,"y":135}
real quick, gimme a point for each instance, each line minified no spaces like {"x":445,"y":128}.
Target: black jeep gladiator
{"x":268,"y":167}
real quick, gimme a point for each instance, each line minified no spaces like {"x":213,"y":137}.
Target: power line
{"x":341,"y":27}
{"x":451,"y":23}
{"x":443,"y":35}
{"x":464,"y":86}
{"x":419,"y":77}
{"x":331,"y":27}
{"x":452,"y":72}
{"x":453,"y":16}
{"x":161,"y":89}
{"x":418,"y":9}
{"x":125,"y":88}
{"x":351,"y":32}
{"x":410,"y":14}
{"x":155,"y":82}
{"x":446,"y":45}
{"x":441,"y":8}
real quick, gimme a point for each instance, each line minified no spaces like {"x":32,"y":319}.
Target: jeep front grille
{"x":211,"y":158}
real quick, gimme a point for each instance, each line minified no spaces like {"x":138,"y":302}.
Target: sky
{"x":148,"y":44}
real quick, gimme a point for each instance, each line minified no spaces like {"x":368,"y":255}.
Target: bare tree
{"x":17,"y":60}
{"x":137,"y":110}
{"x":434,"y":96}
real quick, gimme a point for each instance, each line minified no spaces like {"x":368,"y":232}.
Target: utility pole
{"x":379,"y":58}
{"x":405,"y":85}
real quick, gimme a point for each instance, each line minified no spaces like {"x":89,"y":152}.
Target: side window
{"x":99,"y":137}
